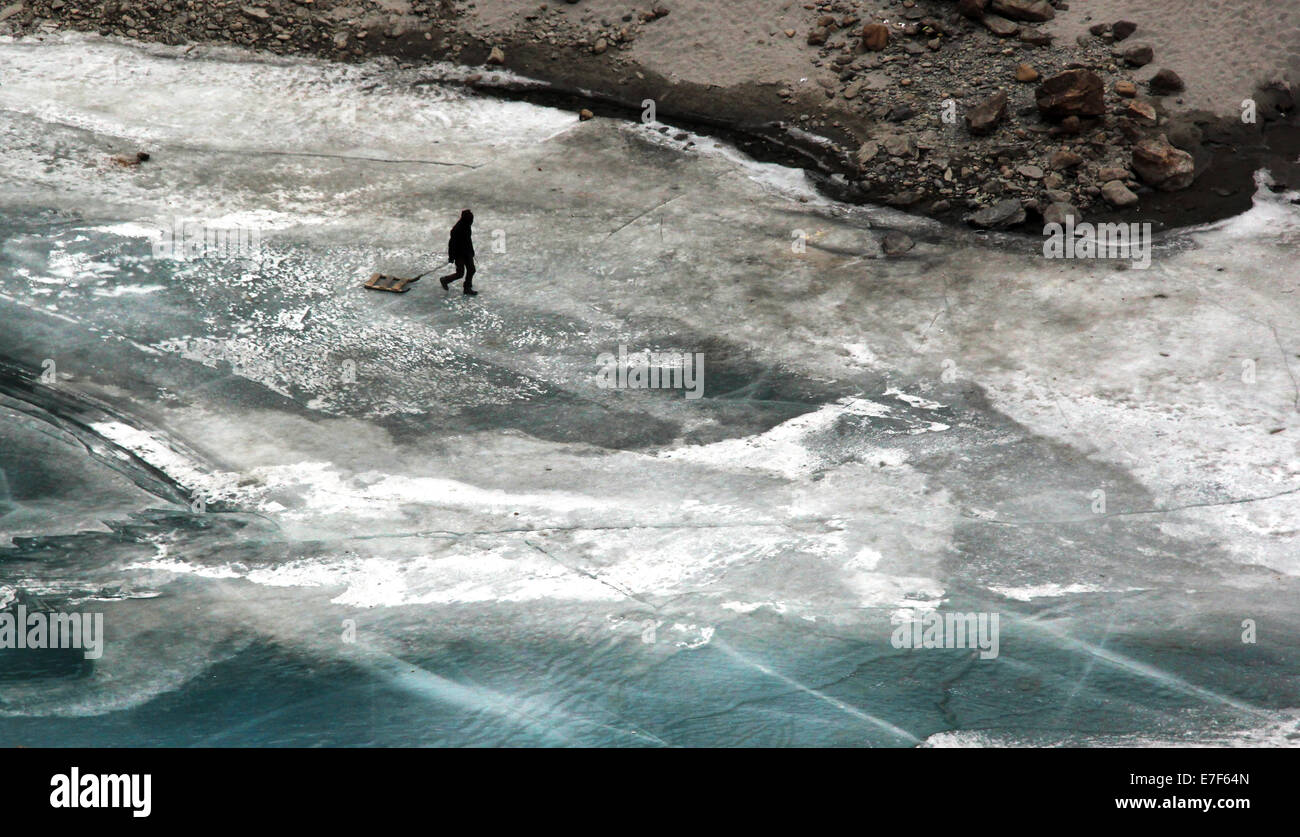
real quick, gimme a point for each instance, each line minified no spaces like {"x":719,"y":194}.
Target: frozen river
{"x":313,"y":514}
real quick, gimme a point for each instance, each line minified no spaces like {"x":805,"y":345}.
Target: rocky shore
{"x":976,"y":111}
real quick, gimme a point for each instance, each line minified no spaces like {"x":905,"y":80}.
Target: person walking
{"x":460,"y":249}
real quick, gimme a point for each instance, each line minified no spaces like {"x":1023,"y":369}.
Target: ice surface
{"x":239,"y":458}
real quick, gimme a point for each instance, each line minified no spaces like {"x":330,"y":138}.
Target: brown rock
{"x":1123,"y":28}
{"x":1117,"y":194}
{"x":1060,"y":212}
{"x":899,"y":145}
{"x":1072,"y":93}
{"x":973,"y":9}
{"x":1139,"y":55}
{"x":585,"y":114}
{"x":1000,"y":26}
{"x":1026,"y":74}
{"x":1062,"y":160}
{"x":985,"y":117}
{"x":1032,"y":10}
{"x":1127,"y":89}
{"x":497,"y":56}
{"x":1141,"y":111}
{"x":1165,"y":82}
{"x":875,"y":36}
{"x":1161,"y":165}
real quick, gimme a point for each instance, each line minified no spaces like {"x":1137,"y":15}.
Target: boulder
{"x":1276,"y":95}
{"x":1185,"y":134}
{"x":1000,"y":26}
{"x":896,"y":243}
{"x":1122,"y":29}
{"x":1071,"y":93}
{"x":1058,"y":212}
{"x":1004,"y":213}
{"x":1139,"y":55}
{"x":1165,"y":82}
{"x":1063,"y":160}
{"x":985,"y":117}
{"x":1031,"y":10}
{"x":1162,"y":166}
{"x":900,"y":112}
{"x":1026,"y":74}
{"x":1118,"y":195}
{"x":875,"y":36}
{"x":1140,"y":111}
{"x":899,"y":145}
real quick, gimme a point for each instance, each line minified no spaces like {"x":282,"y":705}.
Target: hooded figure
{"x":460,"y":249}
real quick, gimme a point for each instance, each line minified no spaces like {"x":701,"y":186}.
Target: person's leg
{"x":470,"y":270}
{"x":452,"y":277}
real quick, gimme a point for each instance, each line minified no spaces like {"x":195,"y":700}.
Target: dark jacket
{"x":461,"y":246}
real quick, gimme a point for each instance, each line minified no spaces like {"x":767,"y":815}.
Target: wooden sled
{"x":392,"y":284}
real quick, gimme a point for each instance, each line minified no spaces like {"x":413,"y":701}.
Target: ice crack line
{"x":1132,"y":513}
{"x":590,"y":575}
{"x":322,"y":154}
{"x":642,"y":215}
{"x":1286,"y":363}
{"x":447,"y":533}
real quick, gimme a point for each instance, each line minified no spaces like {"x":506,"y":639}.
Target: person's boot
{"x":470,"y":291}
{"x":445,"y":281}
